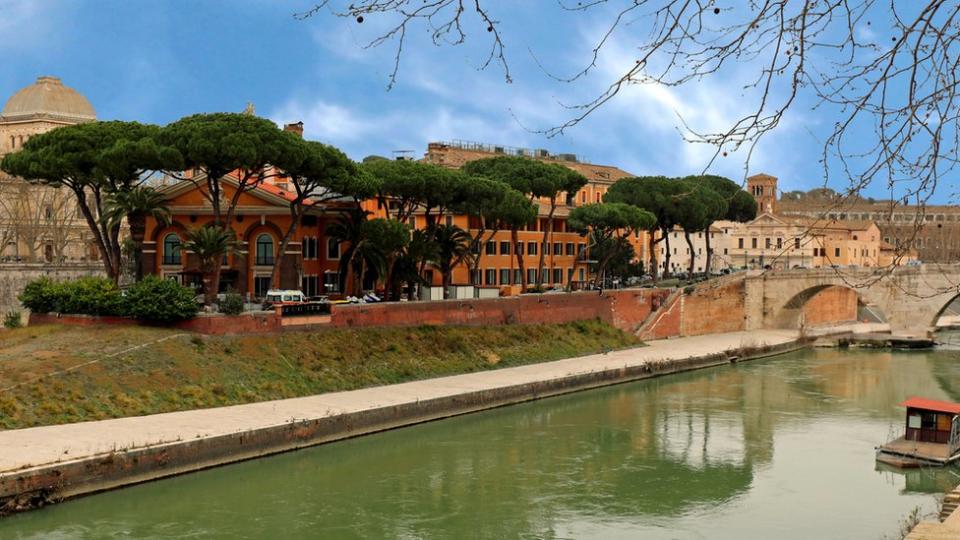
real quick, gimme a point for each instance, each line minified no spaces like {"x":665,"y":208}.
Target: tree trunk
{"x":666,"y":258}
{"x":654,"y":267}
{"x":211,"y":276}
{"x":693,"y":254}
{"x":97,"y":235}
{"x":138,"y":230}
{"x":706,"y":265}
{"x":519,"y":255}
{"x":278,"y":260}
{"x":547,"y":236}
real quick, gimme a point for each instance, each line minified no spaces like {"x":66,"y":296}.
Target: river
{"x":779,"y":448}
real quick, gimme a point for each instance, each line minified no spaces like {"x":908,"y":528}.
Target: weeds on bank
{"x":199,"y":372}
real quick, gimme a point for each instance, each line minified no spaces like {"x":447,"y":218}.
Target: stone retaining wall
{"x":15,"y":276}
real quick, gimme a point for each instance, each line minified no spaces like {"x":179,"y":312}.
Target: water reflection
{"x":781,"y":447}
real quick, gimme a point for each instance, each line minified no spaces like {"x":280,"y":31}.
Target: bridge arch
{"x":824,"y":304}
{"x":946,"y":309}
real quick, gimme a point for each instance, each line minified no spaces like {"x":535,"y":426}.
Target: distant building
{"x":37,"y":223}
{"x":930,"y":233}
{"x":785,"y":236}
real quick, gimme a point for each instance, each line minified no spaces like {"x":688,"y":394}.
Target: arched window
{"x":171,"y":249}
{"x":264,"y":249}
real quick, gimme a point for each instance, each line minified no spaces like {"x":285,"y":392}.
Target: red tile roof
{"x":932,"y":405}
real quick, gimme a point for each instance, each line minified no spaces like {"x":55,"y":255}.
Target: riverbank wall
{"x":52,"y":463}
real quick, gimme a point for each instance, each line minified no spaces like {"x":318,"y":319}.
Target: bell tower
{"x":763,"y":187}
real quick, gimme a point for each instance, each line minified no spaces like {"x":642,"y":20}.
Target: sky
{"x":158,"y":60}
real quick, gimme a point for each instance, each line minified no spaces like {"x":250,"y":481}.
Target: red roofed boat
{"x":931,"y":437}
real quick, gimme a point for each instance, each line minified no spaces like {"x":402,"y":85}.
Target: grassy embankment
{"x":110,"y":373}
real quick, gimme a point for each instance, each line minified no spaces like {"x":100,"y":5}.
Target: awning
{"x":932,"y":405}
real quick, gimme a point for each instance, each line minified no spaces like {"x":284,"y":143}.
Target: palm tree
{"x":347,"y":230}
{"x":137,"y":205}
{"x":408,"y":268}
{"x":453,"y":248}
{"x":210,"y":244}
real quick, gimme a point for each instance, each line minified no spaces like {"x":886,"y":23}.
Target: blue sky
{"x":157,"y":60}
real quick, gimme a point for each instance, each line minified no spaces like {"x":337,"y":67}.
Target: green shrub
{"x":89,"y":296}
{"x":232,"y":303}
{"x":85,"y":296}
{"x":12,"y":320}
{"x":40,"y":295}
{"x":160,"y":300}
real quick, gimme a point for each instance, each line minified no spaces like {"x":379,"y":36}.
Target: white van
{"x":283,"y":297}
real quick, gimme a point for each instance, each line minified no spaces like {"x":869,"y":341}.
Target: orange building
{"x":311,"y":260}
{"x":565,"y":264}
{"x":262,"y":217}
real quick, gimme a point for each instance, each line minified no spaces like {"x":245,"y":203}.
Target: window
{"x":261,"y":284}
{"x":570,"y":249}
{"x":171,"y":249}
{"x":505,"y":276}
{"x":475,"y":277}
{"x":531,"y":248}
{"x":519,"y":248}
{"x":796,"y":243}
{"x":448,"y":220}
{"x":491,"y":248}
{"x":558,"y":275}
{"x":310,"y":247}
{"x":311,"y":285}
{"x":767,"y":243}
{"x":836,"y":252}
{"x":558,"y":248}
{"x":531,"y":275}
{"x":753,"y":243}
{"x":516,"y":276}
{"x":504,"y":248}
{"x":331,"y":282}
{"x":333,"y":249}
{"x":264,"y":249}
{"x":582,"y":275}
{"x":491,"y":276}
{"x":740,"y":243}
{"x":581,"y":250}
{"x":779,"y":243}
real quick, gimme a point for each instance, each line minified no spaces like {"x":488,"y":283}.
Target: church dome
{"x":48,"y":97}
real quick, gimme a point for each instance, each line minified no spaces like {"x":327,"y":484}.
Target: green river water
{"x":781,"y":448}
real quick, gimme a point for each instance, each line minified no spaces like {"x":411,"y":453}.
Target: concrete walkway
{"x":23,"y":448}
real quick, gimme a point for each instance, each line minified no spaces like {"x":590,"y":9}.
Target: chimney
{"x":294,"y":128}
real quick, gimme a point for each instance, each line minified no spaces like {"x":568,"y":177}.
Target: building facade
{"x":38,"y":223}
{"x":309,"y":263}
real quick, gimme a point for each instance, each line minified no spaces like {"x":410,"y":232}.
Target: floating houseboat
{"x":931,"y":436}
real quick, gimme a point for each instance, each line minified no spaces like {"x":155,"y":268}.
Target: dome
{"x":48,"y":97}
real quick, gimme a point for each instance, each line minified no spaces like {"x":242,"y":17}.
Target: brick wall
{"x":624,"y":309}
{"x":212,"y":324}
{"x":714,"y":309}
{"x":830,"y":306}
{"x":667,"y":321}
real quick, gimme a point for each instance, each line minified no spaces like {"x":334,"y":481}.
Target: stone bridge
{"x":910,"y":298}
